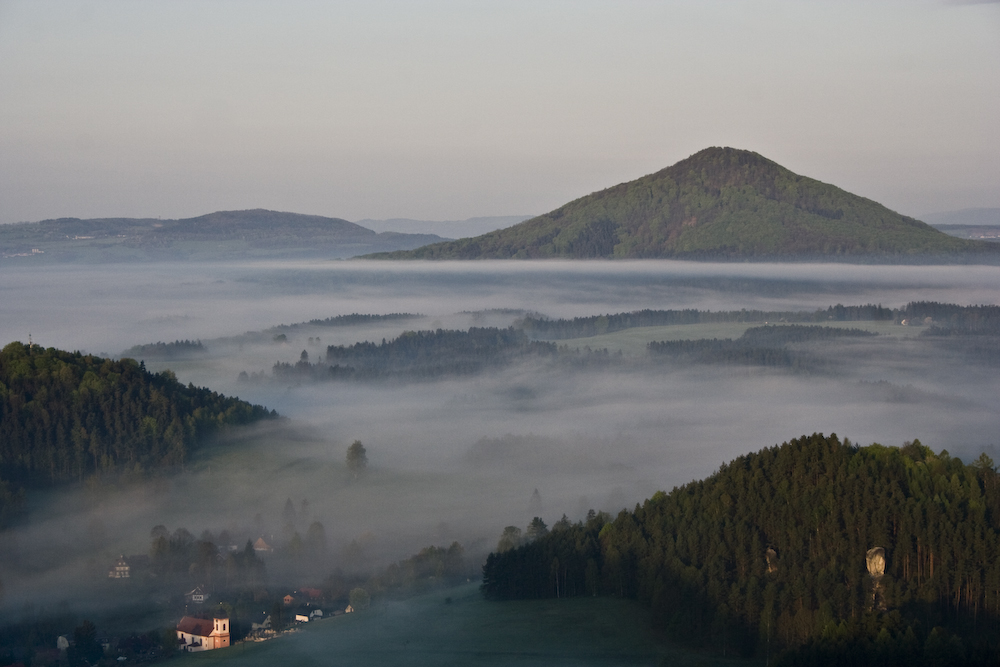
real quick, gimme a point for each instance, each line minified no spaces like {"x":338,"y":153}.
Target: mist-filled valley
{"x":600,"y":421}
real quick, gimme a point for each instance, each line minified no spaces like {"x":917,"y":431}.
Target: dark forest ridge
{"x":67,"y":415}
{"x":255,"y":233}
{"x":816,"y":552}
{"x":719,"y":203}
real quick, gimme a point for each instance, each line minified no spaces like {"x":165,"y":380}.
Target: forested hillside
{"x":718,"y":203}
{"x":419,"y":355}
{"x":65,"y":415}
{"x":943,"y":318}
{"x":768,"y":556}
{"x":160,"y":351}
{"x":758,"y":346}
{"x":593,"y":325}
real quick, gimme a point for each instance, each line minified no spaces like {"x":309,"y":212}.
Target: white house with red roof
{"x":202,"y":634}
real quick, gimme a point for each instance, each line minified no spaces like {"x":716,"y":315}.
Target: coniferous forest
{"x":767,"y":557}
{"x":67,"y":415}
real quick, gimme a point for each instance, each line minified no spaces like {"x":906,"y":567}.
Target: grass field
{"x":469,"y":630}
{"x":632,"y":342}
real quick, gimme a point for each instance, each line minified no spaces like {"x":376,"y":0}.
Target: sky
{"x":444,"y":110}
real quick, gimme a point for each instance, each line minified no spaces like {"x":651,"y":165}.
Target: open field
{"x":633,"y":342}
{"x":470,"y":630}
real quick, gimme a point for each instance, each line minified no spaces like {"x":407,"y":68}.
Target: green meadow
{"x":458,"y":626}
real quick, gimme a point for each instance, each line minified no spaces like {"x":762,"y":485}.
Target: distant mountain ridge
{"x":452,"y":229}
{"x":966,"y":216}
{"x":718,"y":203}
{"x":254,"y":233}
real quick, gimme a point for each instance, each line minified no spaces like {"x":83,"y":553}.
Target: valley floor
{"x":470,"y":630}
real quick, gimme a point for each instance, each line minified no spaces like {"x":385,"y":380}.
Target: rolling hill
{"x":251,"y":234}
{"x":718,"y":203}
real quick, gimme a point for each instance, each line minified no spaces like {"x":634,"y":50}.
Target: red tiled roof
{"x":200,"y":627}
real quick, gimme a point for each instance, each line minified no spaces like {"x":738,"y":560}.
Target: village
{"x":209,"y":593}
{"x":201,"y":597}
{"x":206,"y":625}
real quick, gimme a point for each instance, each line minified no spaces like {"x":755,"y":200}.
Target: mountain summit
{"x":718,"y":203}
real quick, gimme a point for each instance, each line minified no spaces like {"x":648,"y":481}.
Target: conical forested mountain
{"x":720,"y":202}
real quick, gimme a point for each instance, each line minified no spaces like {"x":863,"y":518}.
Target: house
{"x":260,"y":546}
{"x":202,"y":634}
{"x":264,"y":626}
{"x":120,"y":570}
{"x":288,"y":600}
{"x":316,"y":613}
{"x":197,"y":596}
{"x":129,"y":568}
{"x":301,"y":618}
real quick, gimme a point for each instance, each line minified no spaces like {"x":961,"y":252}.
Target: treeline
{"x":758,"y":346}
{"x":419,"y":354}
{"x":353,"y":319}
{"x":768,"y":555}
{"x":179,"y":349}
{"x":947,"y":319}
{"x":941,"y":318}
{"x":580,"y":327}
{"x":180,"y":555}
{"x":431,"y":566}
{"x":360,"y":318}
{"x":65,"y":415}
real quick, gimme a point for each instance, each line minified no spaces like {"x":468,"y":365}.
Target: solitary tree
{"x":359,"y":599}
{"x":316,"y":539}
{"x":357,"y":457}
{"x":288,"y":514}
{"x":86,"y":650}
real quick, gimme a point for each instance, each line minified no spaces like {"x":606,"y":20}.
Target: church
{"x":202,"y":634}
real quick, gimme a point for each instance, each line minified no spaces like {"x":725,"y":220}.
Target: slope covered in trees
{"x":768,"y":556}
{"x":720,"y":202}
{"x":179,"y":349}
{"x":758,"y":346}
{"x":64,"y":415}
{"x":419,"y":355}
{"x":538,"y":326}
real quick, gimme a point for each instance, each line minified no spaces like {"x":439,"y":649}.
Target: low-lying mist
{"x":459,"y":458}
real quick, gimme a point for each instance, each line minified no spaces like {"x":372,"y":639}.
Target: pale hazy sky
{"x":448,"y":110}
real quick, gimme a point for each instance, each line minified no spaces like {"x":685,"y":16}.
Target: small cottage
{"x":197,"y":596}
